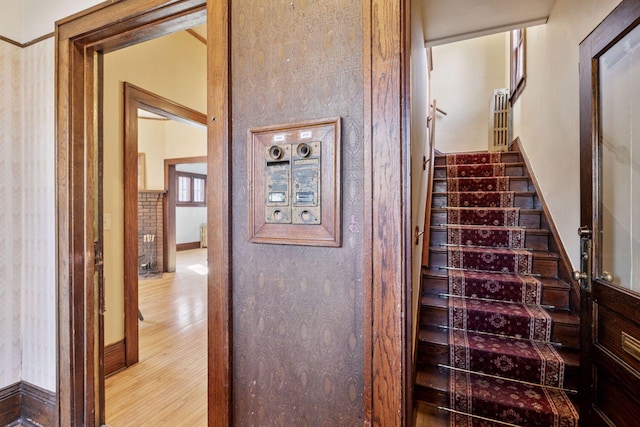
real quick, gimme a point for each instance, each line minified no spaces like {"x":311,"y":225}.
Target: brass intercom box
{"x":294,"y":183}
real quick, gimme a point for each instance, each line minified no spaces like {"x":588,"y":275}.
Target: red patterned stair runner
{"x":492,"y":199}
{"x":499,"y":334}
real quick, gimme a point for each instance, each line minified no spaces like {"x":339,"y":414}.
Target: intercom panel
{"x":294,"y":183}
{"x":278,"y":184}
{"x":305,"y":181}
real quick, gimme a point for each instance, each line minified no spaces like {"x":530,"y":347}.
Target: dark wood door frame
{"x":80,"y":40}
{"x":170,"y":207}
{"x":137,"y":98}
{"x":595,"y":358}
{"x":386,"y":229}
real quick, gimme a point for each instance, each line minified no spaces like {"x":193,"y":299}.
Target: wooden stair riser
{"x":544,"y":264}
{"x":538,"y":240}
{"x":507,"y":157}
{"x":433,"y":354}
{"x":433,"y":387}
{"x":521,"y":200}
{"x":510,"y":169}
{"x":551,"y":296}
{"x":529,"y":218}
{"x":518,"y":183}
{"x":568,"y":334}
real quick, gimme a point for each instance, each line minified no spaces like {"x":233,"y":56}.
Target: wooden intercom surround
{"x":294,"y":183}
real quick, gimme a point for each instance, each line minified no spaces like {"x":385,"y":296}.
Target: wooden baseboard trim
{"x":25,"y":404}
{"x":115,"y":357}
{"x":9,"y":404}
{"x":38,"y":406}
{"x":187,"y":246}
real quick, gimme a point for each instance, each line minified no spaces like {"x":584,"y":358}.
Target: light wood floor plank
{"x":168,"y":387}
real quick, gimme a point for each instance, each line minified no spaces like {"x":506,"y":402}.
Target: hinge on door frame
{"x":583,"y":276}
{"x":98,"y":263}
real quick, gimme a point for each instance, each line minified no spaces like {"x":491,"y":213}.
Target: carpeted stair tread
{"x":516,"y":183}
{"x":496,"y":183}
{"x":505,"y":287}
{"x":503,"y":260}
{"x":506,"y":156}
{"x":472,"y":235}
{"x":558,"y":317}
{"x":506,"y":357}
{"x":432,"y":385}
{"x":472,"y":158}
{"x":480,"y":199}
{"x":476,"y":170}
{"x":497,"y":317}
{"x":510,"y":402}
{"x":507,"y":217}
{"x":440,"y":337}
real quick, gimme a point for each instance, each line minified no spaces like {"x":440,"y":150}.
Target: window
{"x":518,"y":60}
{"x":192,"y":189}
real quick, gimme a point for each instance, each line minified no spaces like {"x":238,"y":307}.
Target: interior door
{"x":610,"y":218}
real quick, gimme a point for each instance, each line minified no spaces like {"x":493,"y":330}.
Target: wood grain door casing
{"x":80,"y":41}
{"x":610,"y":314}
{"x":112,"y":25}
{"x":137,"y":98}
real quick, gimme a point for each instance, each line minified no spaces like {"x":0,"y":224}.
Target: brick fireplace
{"x":150,"y":233}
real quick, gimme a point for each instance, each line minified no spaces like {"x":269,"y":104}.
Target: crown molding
{"x":27,"y":44}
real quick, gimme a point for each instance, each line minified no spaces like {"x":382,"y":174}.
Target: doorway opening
{"x":152,"y":127}
{"x":82,"y":42}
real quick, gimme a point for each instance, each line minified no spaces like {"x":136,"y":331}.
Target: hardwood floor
{"x":168,"y":387}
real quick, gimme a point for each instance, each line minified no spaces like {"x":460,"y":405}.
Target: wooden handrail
{"x":426,"y":237}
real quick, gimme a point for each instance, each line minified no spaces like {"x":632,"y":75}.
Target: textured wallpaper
{"x":297,"y":311}
{"x":10,"y":210}
{"x":38,"y":216}
{"x":27,"y":215}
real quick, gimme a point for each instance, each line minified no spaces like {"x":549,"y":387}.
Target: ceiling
{"x":447,"y":21}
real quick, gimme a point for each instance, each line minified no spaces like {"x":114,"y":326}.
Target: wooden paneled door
{"x":610,"y":218}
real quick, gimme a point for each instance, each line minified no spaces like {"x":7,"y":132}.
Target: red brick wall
{"x":150,"y":222}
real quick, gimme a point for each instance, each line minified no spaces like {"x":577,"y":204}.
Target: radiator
{"x":203,"y":235}
{"x":499,"y":121}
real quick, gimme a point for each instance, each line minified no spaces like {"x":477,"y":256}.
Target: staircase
{"x":498,"y":343}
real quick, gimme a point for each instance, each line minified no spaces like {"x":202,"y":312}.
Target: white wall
{"x":546,"y":117}
{"x":188,"y":220}
{"x":26,"y":20}
{"x":27,"y":218}
{"x":420,"y":145}
{"x":28,"y":316}
{"x":161,"y":140}
{"x":11,"y":254}
{"x":464,"y":76}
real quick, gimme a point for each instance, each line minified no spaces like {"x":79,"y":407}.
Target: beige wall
{"x":161,"y":139}
{"x":546,"y":117}
{"x":173,"y":67}
{"x":420,"y":144}
{"x":464,"y":77}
